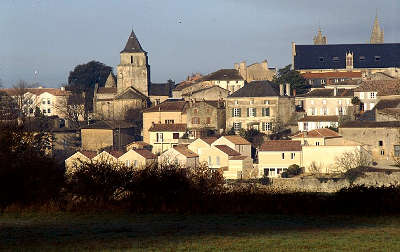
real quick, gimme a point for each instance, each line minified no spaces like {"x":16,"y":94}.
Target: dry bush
{"x":351,"y":160}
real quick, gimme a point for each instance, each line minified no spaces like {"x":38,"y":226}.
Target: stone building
{"x":377,"y":34}
{"x":388,"y":109}
{"x":205,"y":118}
{"x":256,"y":71}
{"x":260,"y":105}
{"x":132,"y":88}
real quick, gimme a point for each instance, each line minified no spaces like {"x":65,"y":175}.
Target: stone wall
{"x":329,"y":185}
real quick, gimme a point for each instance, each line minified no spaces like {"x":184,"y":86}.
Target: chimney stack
{"x":287,"y":89}
{"x":294,"y":92}
{"x":281,"y":92}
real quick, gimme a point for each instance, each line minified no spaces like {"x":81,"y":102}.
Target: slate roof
{"x":324,"y":132}
{"x":132,"y":45}
{"x":382,"y":87}
{"x":332,"y":75}
{"x":168,"y":106}
{"x":308,"y":56}
{"x":388,"y":103}
{"x":237,"y":140}
{"x":107,"y":90}
{"x":131,"y":93}
{"x":281,"y":145}
{"x":329,"y":92}
{"x":332,"y":118}
{"x":176,"y":127}
{"x":370,"y":124}
{"x":228,"y":150}
{"x":109,"y":125}
{"x":185,"y":151}
{"x":257,"y":89}
{"x":145,"y":153}
{"x":161,"y":89}
{"x":203,"y":89}
{"x":223,"y":74}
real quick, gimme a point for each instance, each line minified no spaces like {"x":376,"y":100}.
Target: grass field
{"x":121,"y":231}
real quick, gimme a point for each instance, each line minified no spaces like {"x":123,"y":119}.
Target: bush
{"x":293,"y":170}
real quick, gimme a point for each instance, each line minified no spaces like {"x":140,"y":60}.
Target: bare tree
{"x":72,"y":108}
{"x":352,"y":159}
{"x":26,"y":101}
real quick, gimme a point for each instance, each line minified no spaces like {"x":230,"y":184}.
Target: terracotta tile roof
{"x":107,"y":90}
{"x":382,"y":87}
{"x":391,"y":111}
{"x":227,"y":150}
{"x":281,"y":145}
{"x":332,"y":75}
{"x":238,"y":158}
{"x":332,"y":118}
{"x":209,"y":140}
{"x":145,"y":153}
{"x":324,"y":132}
{"x":178,"y":127}
{"x":89,"y":154}
{"x":168,"y":106}
{"x":116,"y":153}
{"x":370,"y":124}
{"x":185,"y":151}
{"x":388,"y":103}
{"x":237,"y":140}
{"x":329,"y":92}
{"x":36,"y":91}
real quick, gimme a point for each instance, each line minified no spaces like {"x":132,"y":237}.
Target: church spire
{"x":319,"y":39}
{"x":110,"y":82}
{"x":377,"y":35}
{"x":132,"y":45}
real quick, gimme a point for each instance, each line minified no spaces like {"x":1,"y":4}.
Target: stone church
{"x":131,"y":89}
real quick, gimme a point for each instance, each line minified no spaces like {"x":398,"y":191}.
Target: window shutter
{"x":233,"y":112}
{"x":263,"y":126}
{"x":240,"y":125}
{"x":255,"y":112}
{"x":267,"y":111}
{"x":263,"y":111}
{"x":240,"y":112}
{"x":248,"y":112}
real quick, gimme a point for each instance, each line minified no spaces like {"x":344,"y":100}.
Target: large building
{"x":132,"y":88}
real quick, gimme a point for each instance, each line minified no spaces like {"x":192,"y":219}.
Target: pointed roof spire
{"x":377,"y":32}
{"x":110,"y":82}
{"x":319,"y":39}
{"x":132,"y":45}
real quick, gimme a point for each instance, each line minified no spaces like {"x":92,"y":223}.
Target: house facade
{"x":165,"y":136}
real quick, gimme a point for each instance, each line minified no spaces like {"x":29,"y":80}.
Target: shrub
{"x":293,"y":170}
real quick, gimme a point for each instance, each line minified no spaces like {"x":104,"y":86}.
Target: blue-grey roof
{"x":257,"y":89}
{"x":309,"y":56}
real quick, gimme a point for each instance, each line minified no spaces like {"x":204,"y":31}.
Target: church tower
{"x":377,"y":32}
{"x":133,"y":70}
{"x":319,"y":39}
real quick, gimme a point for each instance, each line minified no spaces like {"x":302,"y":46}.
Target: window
{"x":336,"y":80}
{"x":251,"y":112}
{"x":158,"y":101}
{"x":208,"y":121}
{"x":317,"y":143}
{"x":195,"y":111}
{"x":48,"y":111}
{"x":323,"y":81}
{"x":362,"y":58}
{"x":372,"y":95}
{"x":266,"y":102}
{"x":196,"y":120}
{"x":209,"y":160}
{"x":283,"y":155}
{"x":340,"y":102}
{"x":251,"y":102}
{"x":324,"y":111}
{"x":48,"y":101}
{"x":311,"y":82}
{"x":324,"y":102}
{"x":321,"y":59}
{"x":292,"y":155}
{"x":382,"y":152}
{"x":380,"y":143}
{"x":377,"y":58}
{"x":135,"y":163}
{"x":396,"y":150}
{"x":335,"y":59}
{"x":265,"y":112}
{"x":169,"y":121}
{"x":266,"y":126}
{"x":44,"y":111}
{"x":340,"y":111}
{"x":128,"y":163}
{"x":217,"y":161}
{"x":236,"y":112}
{"x":236,"y":102}
{"x":131,"y":59}
{"x":159,"y":137}
{"x":175,"y":135}
{"x":43,"y":101}
{"x":237,"y":125}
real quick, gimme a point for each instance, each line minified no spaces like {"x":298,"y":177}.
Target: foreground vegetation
{"x":60,"y":231}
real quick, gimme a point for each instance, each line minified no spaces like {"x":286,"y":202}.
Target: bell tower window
{"x":131,"y":59}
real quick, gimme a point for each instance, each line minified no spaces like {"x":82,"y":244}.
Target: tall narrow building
{"x":133,"y":70}
{"x":377,"y":32}
{"x":319,"y":39}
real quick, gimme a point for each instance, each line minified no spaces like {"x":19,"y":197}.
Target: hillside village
{"x":245,"y":122}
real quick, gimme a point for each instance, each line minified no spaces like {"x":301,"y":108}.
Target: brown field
{"x":122,"y":231}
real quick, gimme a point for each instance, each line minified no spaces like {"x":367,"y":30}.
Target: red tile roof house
{"x":181,"y":156}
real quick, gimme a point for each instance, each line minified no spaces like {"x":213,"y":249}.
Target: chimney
{"x":287,"y":89}
{"x":335,"y":91}
{"x":294,"y":92}
{"x":264,"y":64}
{"x":281,"y":92}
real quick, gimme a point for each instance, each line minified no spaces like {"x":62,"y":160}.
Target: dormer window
{"x":377,"y":58}
{"x":362,"y":58}
{"x":321,"y":59}
{"x":335,"y":59}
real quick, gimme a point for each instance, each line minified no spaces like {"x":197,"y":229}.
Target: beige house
{"x":275,"y":156}
{"x":181,"y":156}
{"x":137,"y":158}
{"x":77,"y":159}
{"x":260,"y":105}
{"x":315,"y":137}
{"x":167,"y":112}
{"x":205,"y":118}
{"x":256,"y":71}
{"x":200,"y":145}
{"x":212,"y":93}
{"x":235,"y":142}
{"x":107,"y":157}
{"x":308,"y":123}
{"x":165,"y":136}
{"x":381,"y":139}
{"x":107,"y":134}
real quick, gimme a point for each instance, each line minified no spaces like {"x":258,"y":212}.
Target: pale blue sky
{"x":52,"y":36}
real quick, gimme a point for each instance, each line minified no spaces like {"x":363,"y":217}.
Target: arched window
{"x":131,"y":59}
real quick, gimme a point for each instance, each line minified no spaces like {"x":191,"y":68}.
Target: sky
{"x":43,"y":40}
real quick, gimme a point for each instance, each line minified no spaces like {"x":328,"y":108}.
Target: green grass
{"x":121,"y":231}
